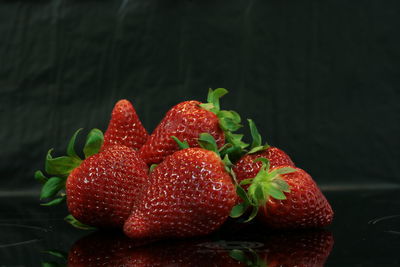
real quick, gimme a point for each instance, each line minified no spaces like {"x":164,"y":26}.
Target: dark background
{"x":320,"y":78}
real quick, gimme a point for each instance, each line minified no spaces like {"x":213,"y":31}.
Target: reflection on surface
{"x":306,"y":248}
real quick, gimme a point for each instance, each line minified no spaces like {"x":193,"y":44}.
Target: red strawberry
{"x":247,"y":167}
{"x":286,"y":197}
{"x":189,"y":194}
{"x":186,"y":121}
{"x":125,"y":127}
{"x":100,"y":189}
{"x":304,"y":207}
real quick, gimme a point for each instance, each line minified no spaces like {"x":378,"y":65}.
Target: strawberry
{"x":125,"y":128}
{"x":247,"y":167}
{"x":189,"y":194}
{"x":100,"y":189}
{"x":186,"y":121}
{"x":284,"y":197}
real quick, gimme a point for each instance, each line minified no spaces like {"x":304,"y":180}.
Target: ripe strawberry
{"x":284,"y":197}
{"x":247,"y":167}
{"x":125,"y":127}
{"x":189,"y":194}
{"x":186,"y":121}
{"x":100,"y":189}
{"x":304,"y":207}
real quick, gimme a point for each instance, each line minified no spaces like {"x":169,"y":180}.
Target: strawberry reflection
{"x":310,"y":248}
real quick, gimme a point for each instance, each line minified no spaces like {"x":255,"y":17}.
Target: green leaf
{"x":214,"y":96}
{"x":181,"y":145}
{"x":276,"y":193}
{"x":257,"y":149}
{"x":236,"y":140}
{"x":61,"y":165}
{"x":94,"y":141}
{"x":54,"y":202}
{"x":152,"y":167}
{"x":265,"y":162}
{"x":57,"y":253}
{"x":253,"y":214}
{"x":51,"y":187}
{"x":254,"y":134}
{"x":77,"y":224}
{"x":239,"y":210}
{"x":282,"y":184}
{"x":70,"y":148}
{"x":207,"y":141}
{"x":39,"y":176}
{"x":285,"y":170}
{"x":259,"y":194}
{"x":207,"y":106}
{"x":242,"y":194}
{"x":246,"y":181}
{"x":229,"y":120}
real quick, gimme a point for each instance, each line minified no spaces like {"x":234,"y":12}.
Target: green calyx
{"x":229,"y":121}
{"x":248,"y":257}
{"x":256,"y":145}
{"x":264,"y":185}
{"x":59,"y":168}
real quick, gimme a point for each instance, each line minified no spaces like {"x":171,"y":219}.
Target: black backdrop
{"x":320,"y":78}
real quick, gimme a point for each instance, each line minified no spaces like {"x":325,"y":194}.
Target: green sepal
{"x":213,"y":98}
{"x":77,"y":224}
{"x":256,"y":145}
{"x":94,"y":141}
{"x":253,"y":260}
{"x":181,"y":145}
{"x":152,"y":167}
{"x":243,"y":194}
{"x":61,"y":165}
{"x":40,"y":177}
{"x":71,"y":145}
{"x":229,"y":120}
{"x":246,"y":181}
{"x":253,"y":214}
{"x":208,"y":142}
{"x":257,"y":149}
{"x":52,"y":187}
{"x":238,"y":210}
{"x":54,"y":202}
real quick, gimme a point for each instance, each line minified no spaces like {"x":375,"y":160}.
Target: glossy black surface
{"x":366,"y":232}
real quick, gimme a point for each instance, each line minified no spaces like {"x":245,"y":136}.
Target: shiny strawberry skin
{"x":186,"y":121}
{"x":301,"y":249}
{"x":101,"y":190}
{"x":189,"y":194}
{"x":304,"y":207}
{"x":246,"y":167}
{"x":125,"y":127}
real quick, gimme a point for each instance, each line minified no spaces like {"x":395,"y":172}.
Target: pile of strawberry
{"x":183,"y":180}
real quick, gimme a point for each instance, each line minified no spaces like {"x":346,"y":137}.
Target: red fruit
{"x":186,"y":121}
{"x":247,"y":167}
{"x":101,"y":190}
{"x":308,"y":249}
{"x":304,"y":207}
{"x":189,"y":194}
{"x":125,"y":127}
